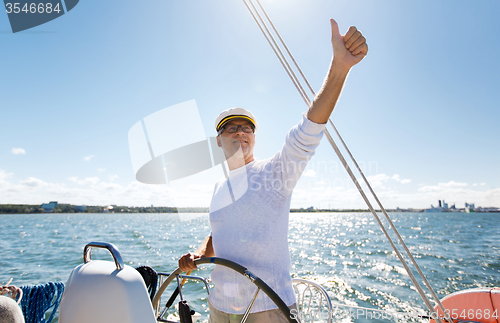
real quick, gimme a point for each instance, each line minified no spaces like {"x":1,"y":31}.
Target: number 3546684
{"x":472,"y":314}
{"x":32,"y":8}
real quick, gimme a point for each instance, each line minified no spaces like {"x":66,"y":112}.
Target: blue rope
{"x":38,"y":299}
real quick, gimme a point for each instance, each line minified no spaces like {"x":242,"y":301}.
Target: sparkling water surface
{"x":346,"y":253}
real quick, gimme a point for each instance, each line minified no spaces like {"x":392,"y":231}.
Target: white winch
{"x":103,"y":291}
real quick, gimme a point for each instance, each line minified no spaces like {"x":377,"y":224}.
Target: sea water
{"x":347,"y":253}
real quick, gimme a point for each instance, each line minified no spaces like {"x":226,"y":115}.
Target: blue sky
{"x":420,"y":111}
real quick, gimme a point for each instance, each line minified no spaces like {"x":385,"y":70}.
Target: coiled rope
{"x":262,"y":24}
{"x":38,"y":299}
{"x":150,"y":279}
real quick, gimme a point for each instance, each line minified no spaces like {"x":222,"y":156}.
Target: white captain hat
{"x":234,"y":113}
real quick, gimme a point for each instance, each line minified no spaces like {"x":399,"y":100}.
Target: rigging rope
{"x":279,"y":54}
{"x":417,"y":267}
{"x":283,"y":60}
{"x":39,"y":299}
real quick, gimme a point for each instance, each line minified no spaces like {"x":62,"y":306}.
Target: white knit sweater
{"x":249,"y":219}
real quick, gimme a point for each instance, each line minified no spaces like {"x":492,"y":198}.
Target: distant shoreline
{"x":69,"y":208}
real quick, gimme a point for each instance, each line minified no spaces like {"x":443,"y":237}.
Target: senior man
{"x":250,"y":209}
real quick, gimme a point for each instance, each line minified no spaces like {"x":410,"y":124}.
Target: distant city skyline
{"x":420,"y":113}
{"x":56,"y":207}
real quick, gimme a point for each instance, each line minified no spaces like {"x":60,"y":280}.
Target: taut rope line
{"x":278,"y":53}
{"x":287,"y":50}
{"x":426,"y":282}
{"x":283,"y":60}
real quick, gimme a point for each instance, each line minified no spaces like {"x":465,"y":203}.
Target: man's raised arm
{"x":348,"y":50}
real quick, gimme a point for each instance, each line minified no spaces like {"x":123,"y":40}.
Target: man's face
{"x":232,"y":142}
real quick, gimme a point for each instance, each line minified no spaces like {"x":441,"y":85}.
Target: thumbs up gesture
{"x":350,"y":49}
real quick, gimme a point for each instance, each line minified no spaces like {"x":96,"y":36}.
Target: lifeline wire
{"x":283,"y":60}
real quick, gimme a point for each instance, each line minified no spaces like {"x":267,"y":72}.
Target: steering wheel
{"x":261,"y":285}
